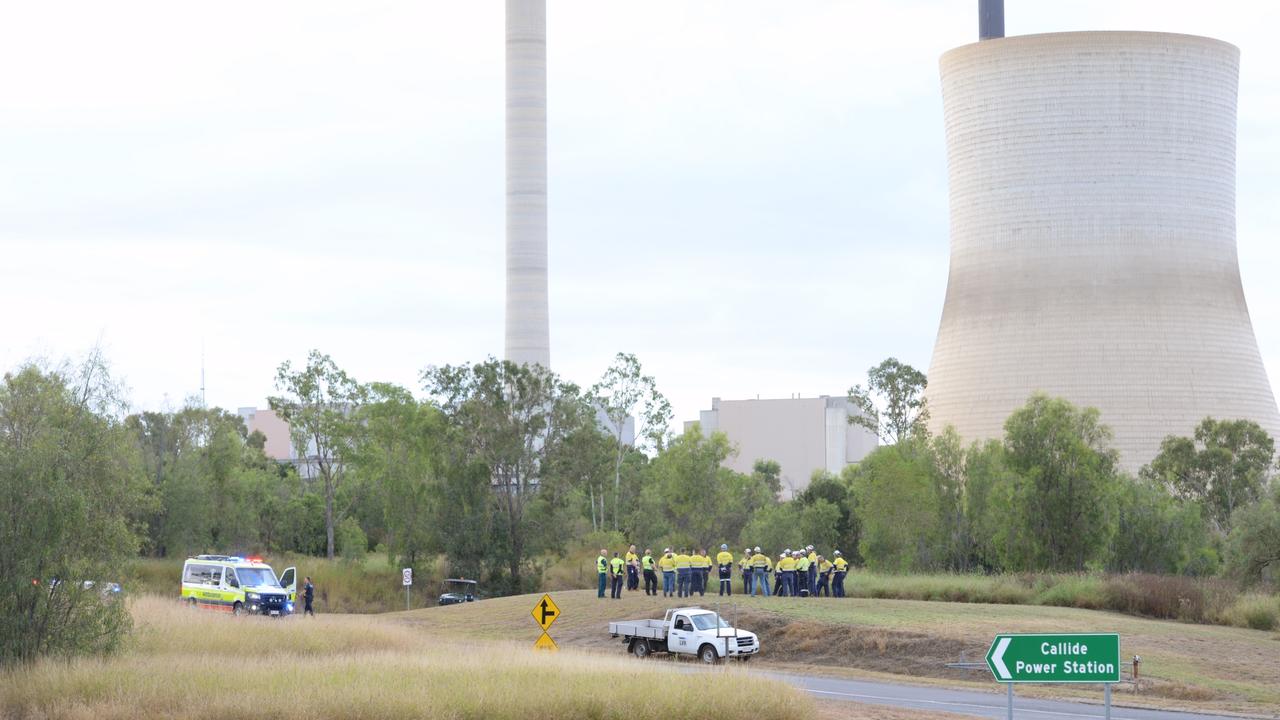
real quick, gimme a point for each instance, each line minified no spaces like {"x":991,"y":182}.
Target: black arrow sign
{"x":546,"y":612}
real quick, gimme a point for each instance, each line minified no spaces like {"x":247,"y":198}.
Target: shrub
{"x":1077,"y":591}
{"x":1255,"y":611}
{"x":1168,"y":597}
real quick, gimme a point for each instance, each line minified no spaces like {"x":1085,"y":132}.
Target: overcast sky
{"x":749,"y":195}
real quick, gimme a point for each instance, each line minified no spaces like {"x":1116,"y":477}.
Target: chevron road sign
{"x":1069,"y":658}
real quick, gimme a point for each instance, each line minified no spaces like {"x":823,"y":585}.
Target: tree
{"x":1159,"y":533}
{"x":402,"y":455}
{"x":897,"y":510}
{"x":1066,"y":471}
{"x":900,"y":389}
{"x":1224,"y":467}
{"x":320,"y":403}
{"x":768,"y":472}
{"x":512,"y":420}
{"x":948,"y":457}
{"x":836,"y":491}
{"x":688,"y":479}
{"x":1253,"y":548}
{"x":624,"y":393}
{"x":70,"y":480}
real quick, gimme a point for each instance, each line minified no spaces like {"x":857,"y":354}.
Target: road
{"x":977,"y":704}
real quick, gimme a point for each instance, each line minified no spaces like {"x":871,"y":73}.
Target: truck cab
{"x":687,"y":631}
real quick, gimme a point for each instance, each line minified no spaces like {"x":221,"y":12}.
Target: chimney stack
{"x":990,"y":19}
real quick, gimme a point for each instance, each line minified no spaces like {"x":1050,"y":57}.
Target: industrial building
{"x":803,"y":435}
{"x":1093,"y":236}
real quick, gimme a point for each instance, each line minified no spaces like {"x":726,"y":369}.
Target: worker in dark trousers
{"x":841,"y":569}
{"x":618,"y":568}
{"x":724,"y":559}
{"x":744,"y":567}
{"x":802,"y":574}
{"x":602,"y":567}
{"x":696,"y":577}
{"x":633,"y":569}
{"x":759,"y":574}
{"x":824,"y":577}
{"x":650,"y":577}
{"x":308,"y":594}
{"x":683,"y":567}
{"x":779,"y":576}
{"x":813,"y":571}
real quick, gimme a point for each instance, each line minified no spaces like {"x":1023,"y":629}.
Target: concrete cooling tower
{"x":528,"y":327}
{"x":1093,"y":237}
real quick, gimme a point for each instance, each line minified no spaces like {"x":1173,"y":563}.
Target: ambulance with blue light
{"x":238,"y":585}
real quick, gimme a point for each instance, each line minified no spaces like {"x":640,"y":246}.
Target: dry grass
{"x":189,"y":664}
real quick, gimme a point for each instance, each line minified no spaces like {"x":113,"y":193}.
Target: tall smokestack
{"x":990,"y":19}
{"x":527,"y":325}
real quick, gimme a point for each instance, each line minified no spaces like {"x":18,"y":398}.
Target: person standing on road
{"x":633,"y":569}
{"x":667,"y":564}
{"x":682,"y":573}
{"x":650,"y":579}
{"x":841,"y":568}
{"x":824,"y":577}
{"x":619,"y":570}
{"x":744,"y":567}
{"x":308,"y":594}
{"x":724,"y":559}
{"x":602,"y":567}
{"x":759,"y":574}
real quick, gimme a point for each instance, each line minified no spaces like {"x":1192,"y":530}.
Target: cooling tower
{"x":1093,"y":240}
{"x":528,"y":334}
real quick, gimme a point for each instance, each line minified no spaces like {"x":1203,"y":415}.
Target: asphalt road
{"x":977,"y":704}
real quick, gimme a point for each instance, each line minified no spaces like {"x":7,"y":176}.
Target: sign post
{"x":1056,"y":658}
{"x":406,"y":579}
{"x":545,"y":613}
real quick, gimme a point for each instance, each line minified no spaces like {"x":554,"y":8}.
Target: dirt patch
{"x":881,"y":650}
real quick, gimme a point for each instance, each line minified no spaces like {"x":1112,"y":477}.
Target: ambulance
{"x":238,"y":585}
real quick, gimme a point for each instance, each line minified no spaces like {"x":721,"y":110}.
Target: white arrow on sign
{"x":997,"y":659}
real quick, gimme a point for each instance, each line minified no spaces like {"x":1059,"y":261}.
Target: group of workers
{"x":796,"y":573}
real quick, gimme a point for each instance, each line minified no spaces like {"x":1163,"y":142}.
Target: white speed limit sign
{"x":408,"y":576}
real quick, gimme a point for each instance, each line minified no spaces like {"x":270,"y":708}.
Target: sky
{"x":747,"y":194}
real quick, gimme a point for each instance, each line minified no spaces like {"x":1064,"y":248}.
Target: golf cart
{"x":457,"y":590}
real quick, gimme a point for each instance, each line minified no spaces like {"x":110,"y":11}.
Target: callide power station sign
{"x":1069,"y":658}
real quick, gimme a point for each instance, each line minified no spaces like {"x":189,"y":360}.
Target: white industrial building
{"x":1093,"y":237}
{"x":803,"y":435}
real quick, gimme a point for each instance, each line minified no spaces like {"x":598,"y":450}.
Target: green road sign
{"x":1070,"y":658}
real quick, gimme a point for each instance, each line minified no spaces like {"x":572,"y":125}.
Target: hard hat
{"x":809,"y":548}
{"x":669,"y":550}
{"x":757,"y":548}
{"x":724,"y":547}
{"x":837,"y":552}
{"x":788,"y":550}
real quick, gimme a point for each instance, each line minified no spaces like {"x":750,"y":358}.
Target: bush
{"x":1166,"y":597}
{"x":1075,"y":590}
{"x":353,"y":544}
{"x":1255,"y":611}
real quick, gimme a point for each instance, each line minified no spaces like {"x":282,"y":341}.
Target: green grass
{"x":193,"y":664}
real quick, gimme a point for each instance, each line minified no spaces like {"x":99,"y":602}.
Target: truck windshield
{"x":257,"y":577}
{"x":708,"y":622}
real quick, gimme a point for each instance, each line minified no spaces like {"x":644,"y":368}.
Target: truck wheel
{"x":707,"y":654}
{"x":237,"y":609}
{"x":640,"y":648}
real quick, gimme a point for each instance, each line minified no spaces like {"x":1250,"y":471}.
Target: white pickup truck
{"x":687,"y":631}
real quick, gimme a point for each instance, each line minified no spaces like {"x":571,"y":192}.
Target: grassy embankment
{"x":373,"y":585}
{"x":191,"y":664}
{"x":1185,"y":665}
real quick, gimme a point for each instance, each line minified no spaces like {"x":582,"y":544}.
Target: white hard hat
{"x":809,"y":548}
{"x":837,"y":552}
{"x":724,"y":547}
{"x":757,"y":548}
{"x":788,"y":550}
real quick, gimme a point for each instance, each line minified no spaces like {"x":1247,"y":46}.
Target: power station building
{"x":1093,"y":236}
{"x":803,"y":435}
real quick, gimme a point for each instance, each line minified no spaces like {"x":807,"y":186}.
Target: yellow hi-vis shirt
{"x":699,"y":561}
{"x":802,"y":565}
{"x":667,"y":563}
{"x":813,"y":557}
{"x":787,"y":564}
{"x":841,"y":564}
{"x":682,"y":562}
{"x":824,"y":566}
{"x":724,"y":558}
{"x":745,"y":562}
{"x":760,"y":562}
{"x":602,"y":565}
{"x":646,"y":562}
{"x":631,"y":557}
{"x":617,"y":565}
